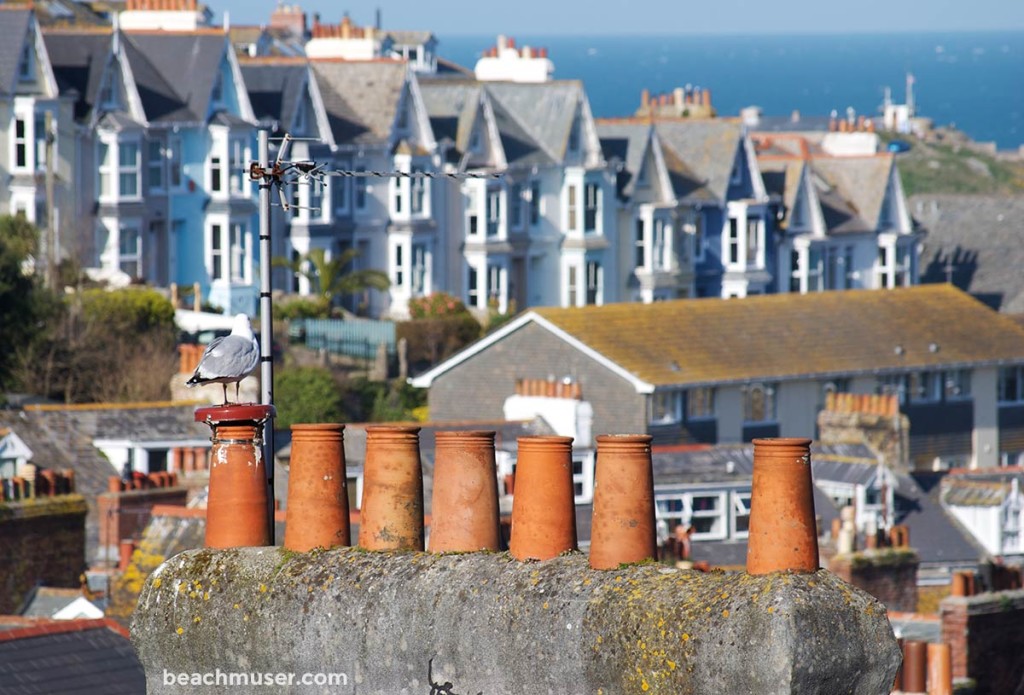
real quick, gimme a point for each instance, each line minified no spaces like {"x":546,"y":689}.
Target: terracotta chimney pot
{"x":940,"y":670}
{"x":127,"y":548}
{"x":317,"y":489}
{"x":114,"y":484}
{"x":391,"y":516}
{"x":465,"y":500}
{"x":237,"y":512}
{"x":915,"y":659}
{"x":782,"y":507}
{"x":543,"y":508}
{"x":623,"y":527}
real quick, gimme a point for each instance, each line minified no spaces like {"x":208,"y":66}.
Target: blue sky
{"x":538,"y":17}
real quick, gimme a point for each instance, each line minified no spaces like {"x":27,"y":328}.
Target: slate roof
{"x":982,"y":239}
{"x":14,"y":26}
{"x":46,"y":601}
{"x":276,"y":88}
{"x":361,"y":98}
{"x":174,"y":72}
{"x":78,"y":58}
{"x":453,"y":106}
{"x":69,"y":656}
{"x":521,"y":149}
{"x":782,"y":179}
{"x":714,"y":341}
{"x":700,"y":155}
{"x":934,"y":534}
{"x":61,"y":13}
{"x":858,"y":186}
{"x":543,"y":111}
{"x":62,"y":437}
{"x":626,"y":142}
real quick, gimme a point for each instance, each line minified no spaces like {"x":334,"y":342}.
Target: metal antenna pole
{"x":266,"y":321}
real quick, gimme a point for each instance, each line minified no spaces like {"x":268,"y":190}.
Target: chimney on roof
{"x":874,"y":420}
{"x":645,"y":98}
{"x":377,"y":21}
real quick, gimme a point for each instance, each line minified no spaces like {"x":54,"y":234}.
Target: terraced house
{"x":710,"y":370}
{"x":37,"y":141}
{"x":164,"y":133}
{"x":842,"y":216}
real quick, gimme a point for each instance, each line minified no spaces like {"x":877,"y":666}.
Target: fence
{"x":356,"y":338}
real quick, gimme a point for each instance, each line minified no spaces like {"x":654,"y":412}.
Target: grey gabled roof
{"x":14,"y":26}
{"x":857,"y":190}
{"x":980,"y":240}
{"x":520,"y":147}
{"x":174,"y":72}
{"x":361,"y":98}
{"x":626,"y":142}
{"x":700,"y":155}
{"x":544,"y":110}
{"x":78,"y":57}
{"x":453,"y":106}
{"x":275,"y":89}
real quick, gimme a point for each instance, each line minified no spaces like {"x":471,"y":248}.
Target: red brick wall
{"x":42,"y":541}
{"x":890,"y":575}
{"x":125,"y":515}
{"x":986,"y":638}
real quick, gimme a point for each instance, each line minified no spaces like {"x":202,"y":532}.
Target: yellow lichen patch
{"x":206,"y":595}
{"x":771,"y":609}
{"x":237,"y":606}
{"x":180,"y":630}
{"x":263,"y":588}
{"x":725,"y":613}
{"x":545,"y":605}
{"x":644,"y":685}
{"x":600,"y":639}
{"x":685,"y":637}
{"x":196,"y":619}
{"x":245,"y":618}
{"x":671,"y":664}
{"x":157,"y":583}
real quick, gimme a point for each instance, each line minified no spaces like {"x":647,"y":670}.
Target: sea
{"x":972,"y":81}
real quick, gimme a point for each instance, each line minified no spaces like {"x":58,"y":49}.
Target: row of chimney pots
{"x":927,"y":668}
{"x":45,"y":483}
{"x":465,"y":514}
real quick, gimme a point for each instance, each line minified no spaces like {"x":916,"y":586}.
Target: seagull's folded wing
{"x":231,"y":356}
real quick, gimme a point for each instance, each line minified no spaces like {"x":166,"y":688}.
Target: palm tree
{"x":329,"y":276}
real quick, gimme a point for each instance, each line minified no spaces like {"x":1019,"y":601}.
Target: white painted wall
{"x":984,"y":523}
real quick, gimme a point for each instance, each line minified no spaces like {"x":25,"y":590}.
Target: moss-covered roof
{"x":709,"y":341}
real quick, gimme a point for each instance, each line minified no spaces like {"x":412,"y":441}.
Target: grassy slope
{"x":950,"y":167}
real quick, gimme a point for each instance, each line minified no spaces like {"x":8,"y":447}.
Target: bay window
{"x":591,"y":204}
{"x":595,"y":283}
{"x":239,"y":252}
{"x":700,"y":403}
{"x":666,"y":407}
{"x":571,"y":209}
{"x":236,"y":165}
{"x":129,"y":251}
{"x":1011,"y":385}
{"x":640,"y":244}
{"x":732,"y":242}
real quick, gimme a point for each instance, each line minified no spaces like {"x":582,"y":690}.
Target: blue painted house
{"x":165,"y":136}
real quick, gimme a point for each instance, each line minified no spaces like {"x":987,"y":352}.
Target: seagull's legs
{"x":236,"y":391}
{"x":225,"y":387}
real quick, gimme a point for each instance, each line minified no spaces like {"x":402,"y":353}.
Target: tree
{"x":104,"y":346}
{"x":306,"y":395}
{"x":25,"y":306}
{"x":329,"y":276}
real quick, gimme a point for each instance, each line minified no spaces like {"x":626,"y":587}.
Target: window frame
{"x":707,"y":411}
{"x":770,"y":389}
{"x":156,"y":180}
{"x":669,"y":402}
{"x":124,"y":232}
{"x":591,"y":207}
{"x":594,"y":288}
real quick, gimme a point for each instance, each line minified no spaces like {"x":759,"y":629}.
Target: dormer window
{"x":25,"y":64}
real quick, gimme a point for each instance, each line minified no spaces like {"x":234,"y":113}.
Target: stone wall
{"x":483,"y":622}
{"x":42,"y":541}
{"x":888,"y":574}
{"x":986,"y":638}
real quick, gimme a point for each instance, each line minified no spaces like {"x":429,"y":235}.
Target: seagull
{"x":228,"y":359}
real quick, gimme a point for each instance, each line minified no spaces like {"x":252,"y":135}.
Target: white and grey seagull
{"x":228,"y":359}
